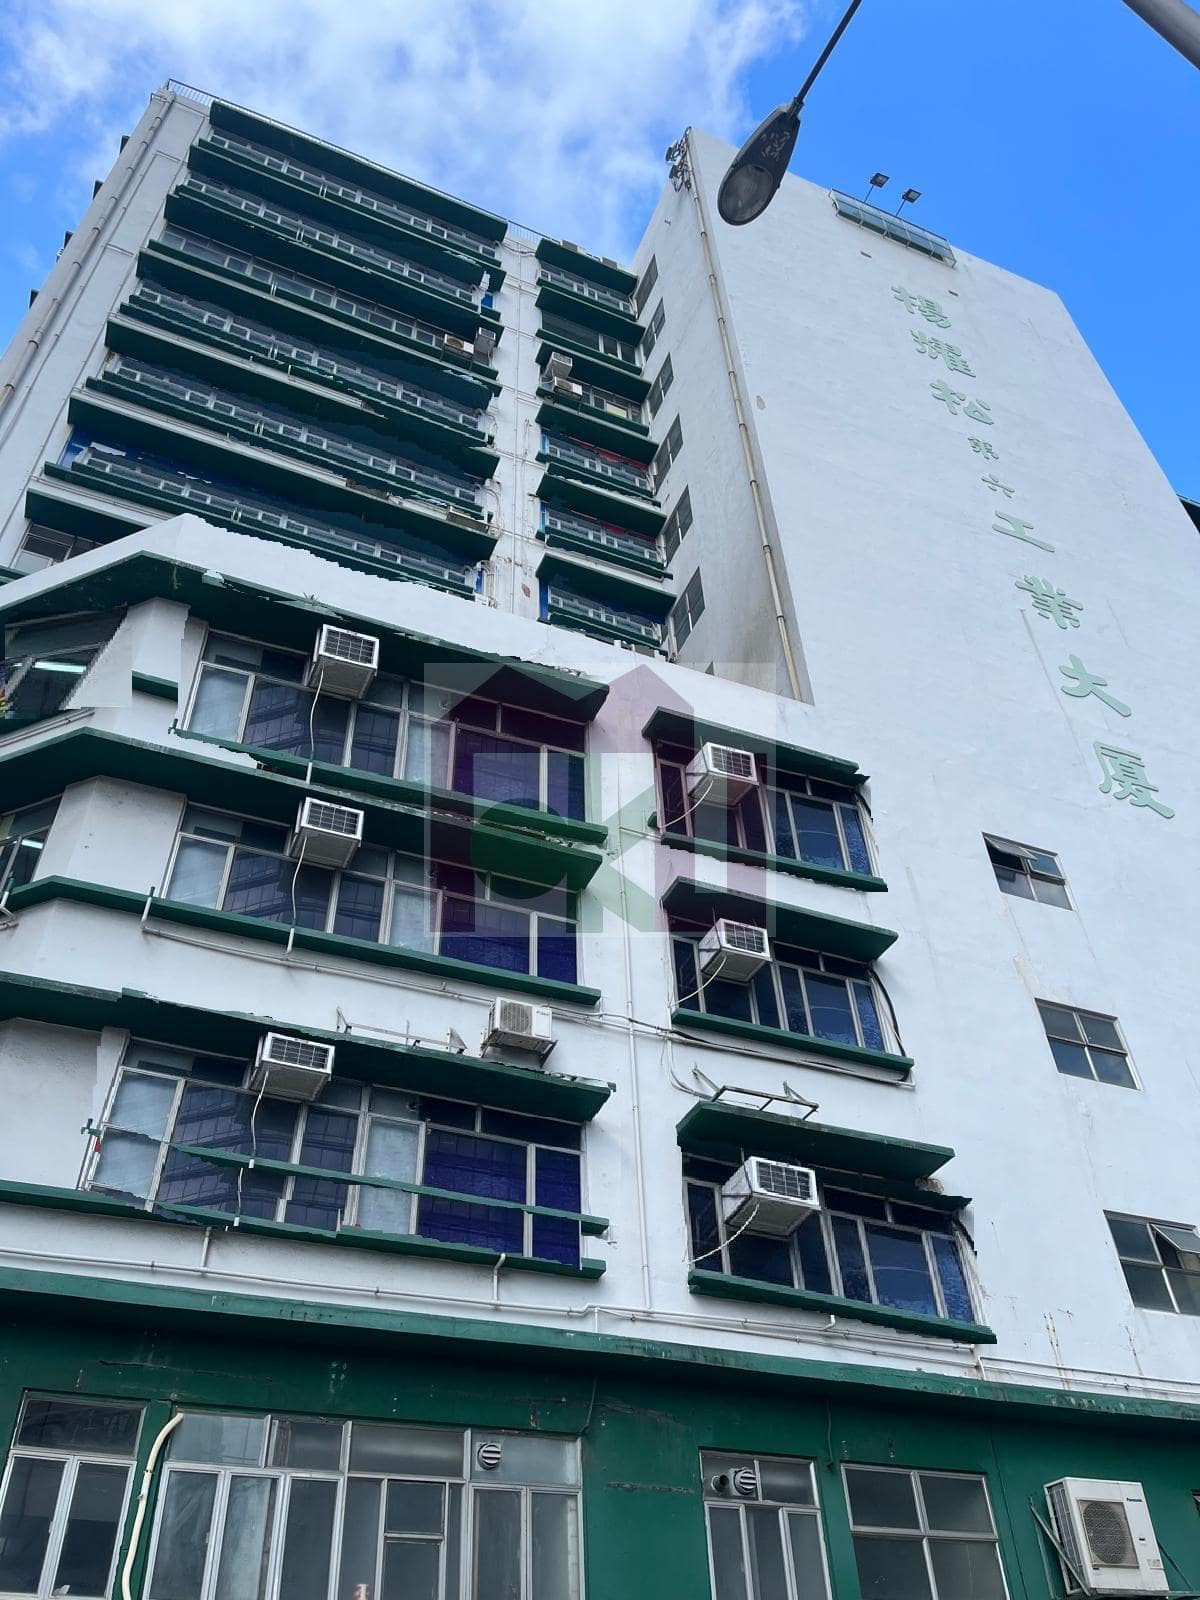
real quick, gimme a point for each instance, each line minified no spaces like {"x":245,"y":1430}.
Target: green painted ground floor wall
{"x":643,"y":1413}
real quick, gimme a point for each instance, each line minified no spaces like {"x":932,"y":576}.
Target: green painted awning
{"x":682,"y":728}
{"x":566,"y":415}
{"x":719,"y":1129}
{"x":590,"y":366}
{"x":594,"y":268}
{"x":605,"y":582}
{"x":290,"y":622}
{"x":419,"y":1068}
{"x":578,"y":308}
{"x":37,"y":770}
{"x":558,"y":486}
{"x":811,"y":930}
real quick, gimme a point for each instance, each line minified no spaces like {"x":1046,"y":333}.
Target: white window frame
{"x":924,"y":1534}
{"x":783,"y":1509}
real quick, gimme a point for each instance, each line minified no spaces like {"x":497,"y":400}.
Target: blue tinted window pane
{"x":686,"y":980}
{"x":673,"y":817}
{"x":557,"y":1180}
{"x":535,"y":1130}
{"x":192,"y":1181}
{"x":556,"y":950}
{"x":450,"y":1113}
{"x":725,"y":999}
{"x":855,"y":1283}
{"x":279,"y":720}
{"x":752,"y":1255}
{"x":455,"y":1222}
{"x":376,"y":734}
{"x":829,"y":1002}
{"x":814,"y":1262}
{"x":793,"y":1000}
{"x":359,"y":908}
{"x":227,"y":1119}
{"x":264,"y":886}
{"x":763,"y":985}
{"x":329,"y":1140}
{"x":751,"y":812}
{"x":491,"y":935}
{"x":556,"y":1239}
{"x":856,"y":839}
{"x":496,"y":769}
{"x":858,"y":1205}
{"x":901,"y":1269}
{"x":816,"y":827}
{"x":868,"y":1016}
{"x":781,"y":822}
{"x":469,"y":1164}
{"x":954,"y":1284}
{"x":702,"y":1224}
{"x":565,"y":785}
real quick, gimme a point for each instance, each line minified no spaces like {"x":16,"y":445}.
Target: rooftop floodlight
{"x":907,"y":198}
{"x":757,"y":170}
{"x":878,"y":179}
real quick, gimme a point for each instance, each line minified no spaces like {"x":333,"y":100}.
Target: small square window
{"x":1161,"y":1263}
{"x":1085,"y":1044}
{"x":1027,"y":873}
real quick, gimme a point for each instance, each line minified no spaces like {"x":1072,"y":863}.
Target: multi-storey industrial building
{"x":498,"y":1104}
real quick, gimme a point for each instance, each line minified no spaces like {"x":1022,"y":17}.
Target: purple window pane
{"x":556,"y":1239}
{"x":490,"y":936}
{"x":491,"y":768}
{"x":557,"y":1180}
{"x":565,"y":785}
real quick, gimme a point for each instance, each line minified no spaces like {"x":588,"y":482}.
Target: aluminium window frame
{"x":654,"y":328}
{"x":1085,"y":1044}
{"x":674,"y":530}
{"x":827,"y":1215}
{"x":72,"y":1460}
{"x":660,"y":386}
{"x":784,"y":1509}
{"x":1152,"y":1226}
{"x":1026,"y":854}
{"x":924,"y":1533}
{"x":23,"y":840}
{"x":405,"y":715}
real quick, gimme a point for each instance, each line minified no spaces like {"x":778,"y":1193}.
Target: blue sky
{"x":1051,"y":136}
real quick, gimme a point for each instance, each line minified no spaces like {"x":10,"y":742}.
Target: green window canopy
{"x":49,"y":766}
{"x":604,"y":584}
{"x":290,"y":622}
{"x":595,"y":269}
{"x":681,"y":728}
{"x":722,"y":1130}
{"x":811,"y":930}
{"x":418,"y":1068}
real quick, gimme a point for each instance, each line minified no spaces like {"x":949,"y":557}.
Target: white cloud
{"x":555,"y":112}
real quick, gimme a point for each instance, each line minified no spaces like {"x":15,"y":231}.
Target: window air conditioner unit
{"x":568,"y":386}
{"x":343,"y":663}
{"x":485,"y":345}
{"x":1105,"y":1529}
{"x":557,"y":366}
{"x":515,"y":1025}
{"x":326,"y":835}
{"x":720,"y":775}
{"x":734,"y":950}
{"x":462,"y":347}
{"x":290,"y":1068}
{"x":770,"y":1197}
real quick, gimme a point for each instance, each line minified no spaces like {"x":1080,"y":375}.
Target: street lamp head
{"x":758,"y":168}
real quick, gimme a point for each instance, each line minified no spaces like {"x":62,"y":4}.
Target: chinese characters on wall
{"x":1123,"y":773}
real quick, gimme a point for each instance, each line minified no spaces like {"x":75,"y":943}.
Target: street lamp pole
{"x":757,"y":170}
{"x":1176,"y":21}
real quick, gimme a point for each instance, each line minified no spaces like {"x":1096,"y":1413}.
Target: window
{"x":893,"y":227}
{"x":64,"y":1497}
{"x":1161,"y":1263}
{"x":23,"y":835}
{"x":254,"y":694}
{"x":647,"y":281}
{"x":274,"y":1508}
{"x":589,"y":338}
{"x":1085,"y":1044}
{"x":377,"y":1148}
{"x":923,"y":1535}
{"x":658,"y":389}
{"x":654,"y":328}
{"x":45,"y":547}
{"x":46,"y":661}
{"x":687,"y":610}
{"x":579,"y":453}
{"x":802,"y":991}
{"x":785,"y":815}
{"x":605,"y":536}
{"x":1029,"y":874}
{"x":567,"y":608}
{"x":677,"y":524}
{"x":668,"y":452}
{"x":764,"y":1541}
{"x":858,"y":1247}
{"x":240,"y":865}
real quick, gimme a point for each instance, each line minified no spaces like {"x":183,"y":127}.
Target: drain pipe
{"x":760,"y":515}
{"x":135,"y":1532}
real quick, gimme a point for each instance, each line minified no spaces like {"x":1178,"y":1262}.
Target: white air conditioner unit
{"x":326,"y":835}
{"x":734,"y":950}
{"x":568,"y":386}
{"x":1105,"y":1529}
{"x":290,"y":1068}
{"x":720,"y":775}
{"x":558,"y":365}
{"x":516,"y":1025}
{"x":770,"y":1197}
{"x":343,"y":663}
{"x":462,"y":347}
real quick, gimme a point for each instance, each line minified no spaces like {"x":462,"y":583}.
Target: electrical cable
{"x":716,"y":1250}
{"x":697,"y":800}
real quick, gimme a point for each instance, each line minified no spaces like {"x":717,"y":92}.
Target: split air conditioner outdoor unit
{"x":461,"y":347}
{"x":720,"y":775}
{"x":734,"y":950}
{"x":558,"y":365}
{"x":1105,"y":1530}
{"x":290,"y":1068}
{"x":343,"y":663}
{"x":515,"y":1025}
{"x":326,"y":835}
{"x":770,"y":1197}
